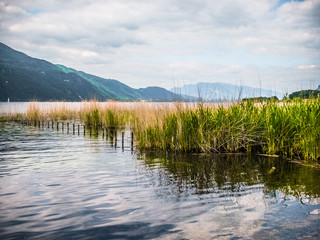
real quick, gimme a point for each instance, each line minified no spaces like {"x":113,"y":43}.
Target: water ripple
{"x":59,"y":186}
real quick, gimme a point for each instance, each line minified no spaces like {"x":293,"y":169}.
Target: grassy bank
{"x":288,"y":128}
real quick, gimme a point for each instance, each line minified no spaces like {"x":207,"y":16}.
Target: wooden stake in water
{"x":62,"y":126}
{"x":57,"y":125}
{"x":132,"y":141}
{"x":111,"y":135}
{"x":67,"y":127}
{"x":84,"y":130}
{"x":78,"y":129}
{"x":52,"y":124}
{"x":102,"y":133}
{"x":73,"y":128}
{"x":122,"y":140}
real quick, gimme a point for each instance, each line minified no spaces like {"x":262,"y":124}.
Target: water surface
{"x":58,"y":185}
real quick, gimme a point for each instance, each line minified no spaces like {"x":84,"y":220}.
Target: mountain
{"x":318,"y":89}
{"x":23,"y":78}
{"x":223,"y":91}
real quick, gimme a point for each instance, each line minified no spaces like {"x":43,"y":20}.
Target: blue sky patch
{"x":35,"y":11}
{"x":281,"y":2}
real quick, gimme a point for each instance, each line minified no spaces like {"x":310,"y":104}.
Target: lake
{"x":55,"y":185}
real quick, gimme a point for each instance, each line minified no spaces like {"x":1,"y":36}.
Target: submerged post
{"x":102,"y":133}
{"x":111,"y":135}
{"x":122,"y":140}
{"x":73,"y":128}
{"x":39,"y":124}
{"x":84,"y":130}
{"x":67,"y":127}
{"x":78,"y":129}
{"x":115,"y":136}
{"x":52,"y":125}
{"x":132,"y":140}
{"x":57,"y":125}
{"x":48,"y":124}
{"x":62,"y":126}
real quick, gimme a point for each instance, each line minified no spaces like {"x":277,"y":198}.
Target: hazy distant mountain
{"x":223,"y":91}
{"x":318,"y":89}
{"x":23,"y":78}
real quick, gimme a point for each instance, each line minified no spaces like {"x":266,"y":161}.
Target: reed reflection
{"x":202,"y":174}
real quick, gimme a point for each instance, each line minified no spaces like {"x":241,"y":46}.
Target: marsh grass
{"x":33,"y":112}
{"x":290,"y":128}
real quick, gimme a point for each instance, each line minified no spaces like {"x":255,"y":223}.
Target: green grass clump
{"x":114,"y":119}
{"x":105,"y":117}
{"x":93,"y":118}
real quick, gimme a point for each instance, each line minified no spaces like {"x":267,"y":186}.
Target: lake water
{"x":55,"y":185}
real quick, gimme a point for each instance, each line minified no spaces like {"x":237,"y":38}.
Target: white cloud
{"x":157,"y":42}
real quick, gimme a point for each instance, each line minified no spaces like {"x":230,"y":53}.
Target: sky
{"x":271,"y":44}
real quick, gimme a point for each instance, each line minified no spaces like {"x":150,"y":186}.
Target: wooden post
{"x":57,"y":125}
{"x":52,"y":124}
{"x":67,"y":127}
{"x":102,"y":133}
{"x":111,"y":135}
{"x":62,"y":126}
{"x":48,"y":124}
{"x":122,"y":140}
{"x":115,"y":140}
{"x":78,"y":129}
{"x":73,"y":128}
{"x":39,"y":124}
{"x":90,"y":131}
{"x":84,"y":130}
{"x":132,"y":141}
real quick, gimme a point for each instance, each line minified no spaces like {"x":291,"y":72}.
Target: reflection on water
{"x":57,"y":185}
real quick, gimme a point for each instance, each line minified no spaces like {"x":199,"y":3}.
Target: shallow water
{"x":55,"y":185}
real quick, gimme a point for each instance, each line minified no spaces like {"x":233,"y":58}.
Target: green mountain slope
{"x":23,"y":78}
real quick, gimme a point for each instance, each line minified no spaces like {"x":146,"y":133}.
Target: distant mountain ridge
{"x":219,"y":91}
{"x":23,"y":78}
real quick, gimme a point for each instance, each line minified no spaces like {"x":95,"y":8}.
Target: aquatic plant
{"x":93,"y":118}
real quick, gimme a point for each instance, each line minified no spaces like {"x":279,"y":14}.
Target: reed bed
{"x":288,"y":128}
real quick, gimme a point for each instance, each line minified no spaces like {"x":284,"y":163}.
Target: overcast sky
{"x":266,"y":43}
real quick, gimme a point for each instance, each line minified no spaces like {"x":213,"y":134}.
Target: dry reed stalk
{"x":33,"y":111}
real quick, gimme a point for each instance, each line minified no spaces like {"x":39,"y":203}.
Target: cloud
{"x":139,"y":42}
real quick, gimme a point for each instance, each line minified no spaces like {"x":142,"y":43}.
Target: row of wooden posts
{"x":108,"y":132}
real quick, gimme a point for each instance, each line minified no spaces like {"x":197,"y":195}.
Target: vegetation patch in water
{"x":290,"y":128}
